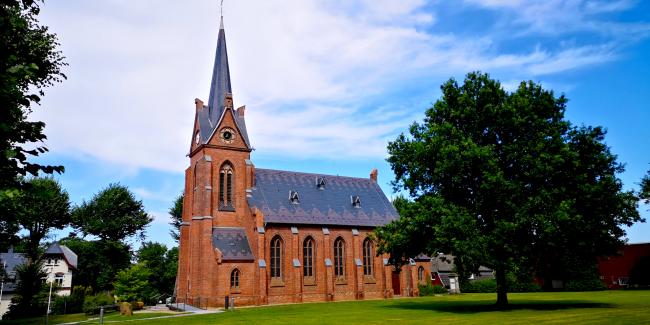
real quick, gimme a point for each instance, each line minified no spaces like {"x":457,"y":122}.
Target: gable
{"x":229,"y":132}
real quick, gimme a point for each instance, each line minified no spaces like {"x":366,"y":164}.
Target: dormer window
{"x":293,"y":197}
{"x":356,"y":201}
{"x":320,"y":183}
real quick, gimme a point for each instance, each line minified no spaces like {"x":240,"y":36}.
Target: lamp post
{"x":2,"y":282}
{"x":49,"y":300}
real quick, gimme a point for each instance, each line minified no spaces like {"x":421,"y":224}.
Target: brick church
{"x":266,"y":236}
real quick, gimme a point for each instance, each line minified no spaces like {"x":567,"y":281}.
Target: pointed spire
{"x":220,"y":85}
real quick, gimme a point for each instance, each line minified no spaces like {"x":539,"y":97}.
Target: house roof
{"x":331,"y":205}
{"x":69,"y":256}
{"x":11,"y":260}
{"x":232,"y":242}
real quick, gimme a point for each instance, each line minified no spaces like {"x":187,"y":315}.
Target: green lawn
{"x":605,"y":307}
{"x":60,"y":319}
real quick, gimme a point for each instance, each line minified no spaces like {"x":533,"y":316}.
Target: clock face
{"x":227,"y":135}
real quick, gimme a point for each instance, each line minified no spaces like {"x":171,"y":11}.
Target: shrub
{"x":92,"y":303}
{"x":480,"y":286}
{"x":585,"y":284}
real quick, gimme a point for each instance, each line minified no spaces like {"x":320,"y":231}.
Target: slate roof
{"x":68,"y":255}
{"x":11,"y":260}
{"x":211,"y":113}
{"x":329,"y":206}
{"x":233,"y":243}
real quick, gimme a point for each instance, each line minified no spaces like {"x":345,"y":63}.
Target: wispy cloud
{"x":305,"y":69}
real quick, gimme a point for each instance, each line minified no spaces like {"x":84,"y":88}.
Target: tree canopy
{"x":112,"y":214}
{"x":163,"y":265}
{"x":504,"y":180}
{"x":39,"y":208}
{"x":176,"y":212}
{"x":29,"y":63}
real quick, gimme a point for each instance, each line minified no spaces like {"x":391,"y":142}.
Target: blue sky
{"x":326,"y":84}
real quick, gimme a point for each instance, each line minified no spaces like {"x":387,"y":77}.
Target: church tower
{"x":216,"y":226}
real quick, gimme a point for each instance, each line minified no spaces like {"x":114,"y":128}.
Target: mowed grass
{"x":604,"y":307}
{"x":83,"y":318}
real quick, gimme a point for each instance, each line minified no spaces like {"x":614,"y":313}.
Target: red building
{"x":263,"y":236}
{"x":615,"y":271}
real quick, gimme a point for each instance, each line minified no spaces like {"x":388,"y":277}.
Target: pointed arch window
{"x":234,"y":280}
{"x":276,"y":258}
{"x":421,"y":274}
{"x":308,"y":259}
{"x":339,"y":259}
{"x":367,"y":257}
{"x":226,"y":188}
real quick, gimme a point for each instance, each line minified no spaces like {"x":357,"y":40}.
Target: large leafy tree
{"x":39,"y":208}
{"x":29,"y":63}
{"x":504,"y":180}
{"x":98,"y":261}
{"x":132,"y":284}
{"x":176,"y":212}
{"x":163,"y":265}
{"x":112,"y":214}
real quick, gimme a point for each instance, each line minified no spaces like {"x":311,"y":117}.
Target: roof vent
{"x":293,"y":197}
{"x":320,"y":183}
{"x":356,"y":201}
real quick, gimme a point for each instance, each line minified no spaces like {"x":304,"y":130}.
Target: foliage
{"x":133,"y":284}
{"x":31,"y":292}
{"x":112,"y":214}
{"x":73,"y":303}
{"x":480,"y":286}
{"x":588,"y":283}
{"x":429,"y":289}
{"x":645,"y":188}
{"x":98,"y":261}
{"x":176,"y":212}
{"x":29,"y":63}
{"x":503,"y":180}
{"x":39,"y":208}
{"x":163,"y":265}
{"x":92,"y":303}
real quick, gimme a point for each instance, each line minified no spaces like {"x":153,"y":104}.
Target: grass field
{"x":605,"y":307}
{"x":81,"y":317}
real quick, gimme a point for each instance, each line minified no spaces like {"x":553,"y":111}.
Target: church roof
{"x":232,"y":242}
{"x":331,"y":205}
{"x":211,"y":114}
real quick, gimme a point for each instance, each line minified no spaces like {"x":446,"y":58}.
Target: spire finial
{"x":221,"y":25}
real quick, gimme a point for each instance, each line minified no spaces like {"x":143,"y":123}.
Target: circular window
{"x":227,"y":135}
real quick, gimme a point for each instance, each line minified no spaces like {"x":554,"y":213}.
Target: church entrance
{"x":397,"y":290}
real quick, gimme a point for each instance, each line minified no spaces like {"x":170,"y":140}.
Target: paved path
{"x":189,"y":311}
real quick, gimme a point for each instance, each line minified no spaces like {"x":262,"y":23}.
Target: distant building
{"x":615,"y":271}
{"x":443,"y":274}
{"x":59,"y":262}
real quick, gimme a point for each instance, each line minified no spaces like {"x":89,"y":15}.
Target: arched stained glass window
{"x":367,"y":257}
{"x":276,"y":257}
{"x":339,"y":258}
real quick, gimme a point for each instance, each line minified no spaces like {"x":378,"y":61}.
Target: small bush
{"x":587,"y":284}
{"x":480,"y":286}
{"x":92,"y":303}
{"x":429,"y":289}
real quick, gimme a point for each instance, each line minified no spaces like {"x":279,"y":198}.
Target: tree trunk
{"x":502,"y":287}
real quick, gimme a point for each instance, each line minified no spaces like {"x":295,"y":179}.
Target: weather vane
{"x":221,"y":8}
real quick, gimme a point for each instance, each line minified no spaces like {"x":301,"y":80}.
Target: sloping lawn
{"x":81,"y":317}
{"x":605,"y":307}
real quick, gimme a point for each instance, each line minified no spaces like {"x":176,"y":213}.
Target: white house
{"x":58,"y":262}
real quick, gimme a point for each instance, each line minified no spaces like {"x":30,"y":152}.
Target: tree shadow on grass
{"x":472,"y":307}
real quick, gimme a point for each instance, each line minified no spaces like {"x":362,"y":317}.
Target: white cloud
{"x":305,"y":70}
